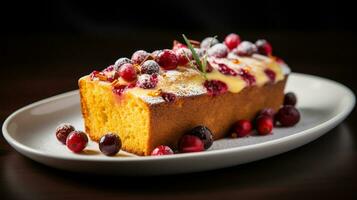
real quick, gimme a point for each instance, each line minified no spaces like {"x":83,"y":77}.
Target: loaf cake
{"x":154,"y":98}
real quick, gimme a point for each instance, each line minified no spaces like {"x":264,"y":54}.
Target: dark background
{"x":45,"y":46}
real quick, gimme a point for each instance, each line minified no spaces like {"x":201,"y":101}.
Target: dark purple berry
{"x":120,"y":62}
{"x":288,"y":116}
{"x":204,"y":134}
{"x":110,"y":144}
{"x":208,"y":42}
{"x":149,"y":67}
{"x":62,"y":132}
{"x":219,"y":51}
{"x":290,"y":99}
{"x":245,"y":48}
{"x":139,"y":56}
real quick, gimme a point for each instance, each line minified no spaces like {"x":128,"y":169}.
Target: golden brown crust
{"x":168,"y":121}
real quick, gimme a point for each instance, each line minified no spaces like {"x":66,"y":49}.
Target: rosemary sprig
{"x":201,"y":65}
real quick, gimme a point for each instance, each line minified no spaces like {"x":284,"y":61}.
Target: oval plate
{"x":30,"y":130}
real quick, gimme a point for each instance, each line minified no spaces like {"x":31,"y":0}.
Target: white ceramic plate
{"x":323,"y":104}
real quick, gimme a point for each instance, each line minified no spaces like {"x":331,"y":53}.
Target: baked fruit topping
{"x":270,"y":74}
{"x":150,"y":67}
{"x":208,"y":42}
{"x":224,"y":69}
{"x":121,"y":61}
{"x":215,"y":87}
{"x":219,"y":51}
{"x":246,"y":48}
{"x":168,"y":97}
{"x":147,"y":81}
{"x":139,"y":57}
{"x":249,"y":78}
{"x":127,"y":72}
{"x":184,"y":55}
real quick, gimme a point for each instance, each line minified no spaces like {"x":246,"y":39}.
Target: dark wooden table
{"x":38,"y":66}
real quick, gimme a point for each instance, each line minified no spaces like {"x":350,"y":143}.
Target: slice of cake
{"x":154,"y":98}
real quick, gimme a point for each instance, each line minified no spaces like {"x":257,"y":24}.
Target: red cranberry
{"x":215,"y":87}
{"x":150,"y":67}
{"x":110,"y":144}
{"x":167,"y":59}
{"x":204,"y":133}
{"x":267,"y":112}
{"x":120,"y":62}
{"x":77,"y":141}
{"x":218,"y":51}
{"x":127,"y":72}
{"x":290,"y":99}
{"x":177,"y":45}
{"x":190,"y":143}
{"x":264,"y":47}
{"x":162,"y":150}
{"x":147,"y":81}
{"x":224,"y":69}
{"x":168,"y":97}
{"x":242,"y":128}
{"x":264,"y":124}
{"x":232,"y":40}
{"x":184,"y":55}
{"x":288,"y":116}
{"x":270,"y":74}
{"x":245,"y":48}
{"x":247,"y":77}
{"x":139,"y":57}
{"x":62,"y":132}
{"x":97,"y":75}
{"x":110,"y":73}
{"x":119,"y":89}
{"x":208,"y":42}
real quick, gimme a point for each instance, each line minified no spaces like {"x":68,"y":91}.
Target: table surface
{"x":38,"y":66}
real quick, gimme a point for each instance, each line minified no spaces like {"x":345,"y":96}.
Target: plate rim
{"x":23,"y":148}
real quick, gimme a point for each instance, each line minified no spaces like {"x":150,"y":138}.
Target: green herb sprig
{"x":201,"y":65}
